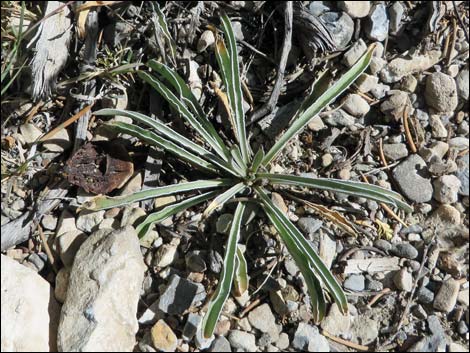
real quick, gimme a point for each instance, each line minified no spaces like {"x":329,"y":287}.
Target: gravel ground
{"x":403,"y":125}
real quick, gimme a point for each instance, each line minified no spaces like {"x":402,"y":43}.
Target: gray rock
{"x":309,"y":225}
{"x":355,"y":283}
{"x":438,"y":128}
{"x":336,"y":323}
{"x":403,"y":280}
{"x":446,"y":188}
{"x":380,"y":90}
{"x":405,"y":250}
{"x":377,"y":26}
{"x":403,"y":66}
{"x":88,"y":221}
{"x":436,"y":342}
{"x":414,"y":228}
{"x":462,"y":328}
{"x":462,"y":84}
{"x":291,"y":266}
{"x":29,"y":311}
{"x":179,"y":295}
{"x":365,"y":330}
{"x":429,"y":344}
{"x":376,"y":65}
{"x":242,"y":340}
{"x":441,"y":92}
{"x":354,"y":53}
{"x":49,"y":222}
{"x":460,"y":143}
{"x":393,"y":106}
{"x":264,"y":340}
{"x":424,"y":295}
{"x":419,"y":312}
{"x":263,"y":319}
{"x":412,"y":178}
{"x":339,"y":118}
{"x":61,"y":284}
{"x":99,"y":313}
{"x":355,"y":105}
{"x":165,"y":255}
{"x":304,"y":335}
{"x":341,"y":27}
{"x":437,"y":149}
{"x":435,"y":325}
{"x":195,"y":262}
{"x":191,"y":326}
{"x":446,"y":297}
{"x":37,"y":261}
{"x":318,"y":8}
{"x":68,"y":244}
{"x":409,"y":84}
{"x":355,"y":9}
{"x":373,"y":285}
{"x":457,"y":347}
{"x":319,"y":344}
{"x":215,"y":261}
{"x":462,"y":174}
{"x":396,"y":14}
{"x":366,"y":82}
{"x":383,"y":244}
{"x":220,"y":344}
{"x":283,"y":341}
{"x":395,"y":151}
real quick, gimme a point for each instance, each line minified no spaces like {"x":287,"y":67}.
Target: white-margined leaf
{"x":320,"y":103}
{"x":106,"y":202}
{"x":228,"y":271}
{"x":305,"y":256}
{"x":355,"y":188}
{"x":153,"y":139}
{"x":144,"y":227}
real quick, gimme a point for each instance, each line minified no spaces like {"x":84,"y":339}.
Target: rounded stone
{"x":441,"y":92}
{"x":355,"y":9}
{"x":446,"y":189}
{"x":355,"y":105}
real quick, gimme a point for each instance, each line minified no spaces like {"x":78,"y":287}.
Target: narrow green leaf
{"x":220,"y":200}
{"x":165,"y":131}
{"x":225,"y":283}
{"x":240,"y":281}
{"x":314,"y":287}
{"x":257,"y":159}
{"x":229,"y":65}
{"x":106,"y":202}
{"x":185,"y":94}
{"x":369,"y":191}
{"x":237,"y":158}
{"x":302,"y":251}
{"x":181,"y":108}
{"x":326,"y":98}
{"x":144,"y":227}
{"x":153,"y":139}
{"x":166,"y":33}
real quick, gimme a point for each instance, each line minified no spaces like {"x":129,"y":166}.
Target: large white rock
{"x":99,"y":313}
{"x":30,"y":313}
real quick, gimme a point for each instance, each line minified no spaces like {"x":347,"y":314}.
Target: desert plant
{"x":239,"y":171}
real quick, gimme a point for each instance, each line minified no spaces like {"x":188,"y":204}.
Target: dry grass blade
{"x":338,"y":219}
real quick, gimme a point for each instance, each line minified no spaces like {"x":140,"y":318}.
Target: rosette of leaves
{"x":238,"y":170}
